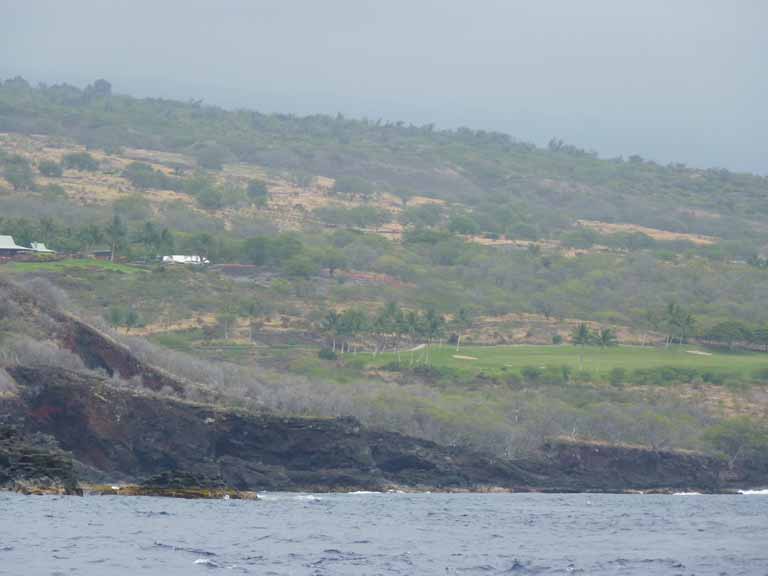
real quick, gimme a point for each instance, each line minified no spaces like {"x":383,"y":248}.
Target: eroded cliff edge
{"x":115,"y":434}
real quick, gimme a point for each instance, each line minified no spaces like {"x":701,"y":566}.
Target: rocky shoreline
{"x":68,"y":433}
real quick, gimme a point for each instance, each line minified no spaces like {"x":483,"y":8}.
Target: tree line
{"x":389,"y":327}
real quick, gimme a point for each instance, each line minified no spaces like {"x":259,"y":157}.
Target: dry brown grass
{"x":656,"y":234}
{"x":527,"y":328}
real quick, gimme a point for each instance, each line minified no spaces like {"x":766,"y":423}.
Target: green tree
{"x":115,"y":316}
{"x":739,"y":438}
{"x":258,"y":192}
{"x":461,"y":323}
{"x":256,"y":312}
{"x":606,"y":337}
{"x":581,"y":335}
{"x":760,"y":337}
{"x":433,"y":325}
{"x":48,"y":229}
{"x":89,"y":236}
{"x":330,"y":325}
{"x":211,"y":198}
{"x":404,"y":195}
{"x":131,"y":319}
{"x":212,"y":156}
{"x":463,"y":224}
{"x":228,"y":318}
{"x":729,"y":333}
{"x":353,"y":186}
{"x":50,"y":168}
{"x":149,"y":236}
{"x":18,"y":172}
{"x":256,"y":250}
{"x":333,"y":260}
{"x":117,"y":233}
{"x":80,"y":161}
{"x":352,"y":323}
{"x":166,"y":241}
{"x":680,"y":323}
{"x":300,"y":266}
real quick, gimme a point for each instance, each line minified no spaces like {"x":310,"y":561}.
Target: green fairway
{"x":63,"y":265}
{"x":589,"y":358}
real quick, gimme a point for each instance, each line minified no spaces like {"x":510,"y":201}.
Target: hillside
{"x":362,"y":240}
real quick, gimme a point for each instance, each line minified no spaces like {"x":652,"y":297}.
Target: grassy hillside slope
{"x":498,"y":241}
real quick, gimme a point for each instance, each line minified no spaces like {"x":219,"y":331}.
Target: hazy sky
{"x":672,"y":80}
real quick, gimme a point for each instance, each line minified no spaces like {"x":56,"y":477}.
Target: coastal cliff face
{"x":27,"y":464}
{"x":115,"y":434}
{"x":119,"y":434}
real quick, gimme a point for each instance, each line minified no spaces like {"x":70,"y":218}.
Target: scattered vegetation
{"x":357,"y":264}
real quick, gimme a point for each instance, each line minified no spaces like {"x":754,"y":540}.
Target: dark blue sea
{"x":365,"y":534}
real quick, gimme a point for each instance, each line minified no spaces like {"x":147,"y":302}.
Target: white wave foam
{"x":206,"y":562}
{"x":687,"y":494}
{"x":763,"y":492}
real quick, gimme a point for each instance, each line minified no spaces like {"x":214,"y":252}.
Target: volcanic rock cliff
{"x":116,"y":434}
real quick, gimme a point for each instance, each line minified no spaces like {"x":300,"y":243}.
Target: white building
{"x":41,"y":248}
{"x":8,"y":247}
{"x":185,"y":259}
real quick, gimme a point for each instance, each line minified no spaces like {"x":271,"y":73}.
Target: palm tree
{"x":433,"y":326}
{"x":606,"y":338}
{"x":330,"y":325}
{"x":116,"y":233}
{"x":131,"y":319}
{"x":462,"y":321}
{"x":351,"y":323}
{"x":412,"y":327}
{"x":581,"y":335}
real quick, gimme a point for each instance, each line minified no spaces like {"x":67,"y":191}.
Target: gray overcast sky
{"x":672,"y":80}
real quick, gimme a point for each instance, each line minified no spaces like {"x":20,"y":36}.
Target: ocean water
{"x":366,"y":534}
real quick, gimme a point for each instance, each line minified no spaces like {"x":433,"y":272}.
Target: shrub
{"x":132,"y":208}
{"x":50,"y":168}
{"x":353,"y":185}
{"x":210,"y":198}
{"x":52,"y":191}
{"x":257,"y":191}
{"x":739,"y":439}
{"x":143,"y":176}
{"x":358,"y":216}
{"x":18,"y":172}
{"x":761,"y":374}
{"x":327,"y":354}
{"x":462,"y":224}
{"x":80,"y":161}
{"x":212,"y":156}
{"x":531,"y":373}
{"x":618,"y":376}
{"x":44,"y":353}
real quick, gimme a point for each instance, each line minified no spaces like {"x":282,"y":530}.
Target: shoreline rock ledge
{"x":67,"y":432}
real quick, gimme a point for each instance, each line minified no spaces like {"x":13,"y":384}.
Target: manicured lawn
{"x":591,"y":358}
{"x":63,"y":265}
